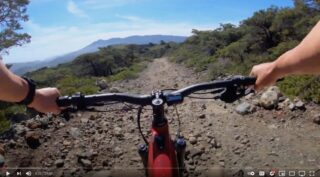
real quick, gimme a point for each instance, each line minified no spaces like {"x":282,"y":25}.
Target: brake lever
{"x":233,"y":93}
{"x":249,"y":90}
{"x":229,"y":95}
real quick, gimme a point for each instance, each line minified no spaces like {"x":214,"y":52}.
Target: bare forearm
{"x":12,"y":87}
{"x":303,"y":59}
{"x":15,"y":89}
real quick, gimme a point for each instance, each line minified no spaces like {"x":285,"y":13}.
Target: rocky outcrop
{"x":270,"y":98}
{"x":102,"y":84}
{"x":245,"y":108}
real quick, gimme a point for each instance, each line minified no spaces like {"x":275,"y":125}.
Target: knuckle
{"x":253,"y":73}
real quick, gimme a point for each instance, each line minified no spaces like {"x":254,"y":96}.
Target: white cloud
{"x":131,"y":18}
{"x":75,"y":10}
{"x":48,"y":42}
{"x":100,"y":4}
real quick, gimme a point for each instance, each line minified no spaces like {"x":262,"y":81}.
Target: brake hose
{"x":139,"y":125}
{"x":179,"y":122}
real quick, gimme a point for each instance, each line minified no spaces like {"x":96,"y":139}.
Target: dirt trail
{"x":220,"y":137}
{"x":160,"y":74}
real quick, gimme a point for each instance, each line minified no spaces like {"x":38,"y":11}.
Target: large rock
{"x":316,"y":119}
{"x":193,"y":140}
{"x":297,"y":105}
{"x":300,"y":105}
{"x":45,"y":121}
{"x":33,"y":124}
{"x":59,"y":163}
{"x":114,"y":90}
{"x":102,"y":84}
{"x":75,"y":132}
{"x":86,"y":163}
{"x":285,"y":104}
{"x":245,"y":108}
{"x":118,"y":132}
{"x":195,"y":152}
{"x":202,"y":116}
{"x":292,"y":106}
{"x":270,"y":98}
{"x":20,"y":129}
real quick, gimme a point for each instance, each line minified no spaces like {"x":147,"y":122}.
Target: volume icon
{"x":28,"y":173}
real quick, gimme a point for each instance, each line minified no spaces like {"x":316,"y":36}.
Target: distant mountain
{"x":21,"y":68}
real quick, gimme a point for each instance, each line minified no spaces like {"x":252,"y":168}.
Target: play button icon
{"x":7,"y":173}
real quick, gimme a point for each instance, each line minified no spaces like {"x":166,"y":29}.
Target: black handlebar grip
{"x":246,"y":80}
{"x":251,"y":80}
{"x":64,"y":101}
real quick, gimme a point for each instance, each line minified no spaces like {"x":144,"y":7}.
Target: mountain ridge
{"x":22,"y":68}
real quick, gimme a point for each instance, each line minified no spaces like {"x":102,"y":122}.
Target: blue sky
{"x":61,"y":26}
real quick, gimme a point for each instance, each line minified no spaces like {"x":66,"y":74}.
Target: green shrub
{"x":123,"y":75}
{"x":70,"y":85}
{"x":4,"y":122}
{"x":129,"y":73}
{"x":15,"y":109}
{"x":307,"y":87}
{"x":275,"y":52}
{"x":8,"y":110}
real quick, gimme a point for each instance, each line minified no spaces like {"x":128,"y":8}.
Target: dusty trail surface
{"x":105,"y":143}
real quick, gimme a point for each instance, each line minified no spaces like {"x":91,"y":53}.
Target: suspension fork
{"x":162,"y":159}
{"x":159,"y":156}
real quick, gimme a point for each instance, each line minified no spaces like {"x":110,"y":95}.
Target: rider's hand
{"x":266,"y":75}
{"x":45,"y":100}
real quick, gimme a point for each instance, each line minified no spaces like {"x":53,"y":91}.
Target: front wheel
{"x":162,"y":162}
{"x":161,"y":167}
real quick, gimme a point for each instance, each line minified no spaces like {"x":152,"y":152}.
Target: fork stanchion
{"x":180,"y":146}
{"x":143,"y":152}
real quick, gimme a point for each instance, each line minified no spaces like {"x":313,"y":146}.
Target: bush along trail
{"x":261,"y":131}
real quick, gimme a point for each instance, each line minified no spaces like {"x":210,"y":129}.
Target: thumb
{"x":253,"y":72}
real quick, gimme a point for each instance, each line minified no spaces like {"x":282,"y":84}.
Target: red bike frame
{"x":162,"y":162}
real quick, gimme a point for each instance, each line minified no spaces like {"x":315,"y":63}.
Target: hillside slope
{"x":21,"y":68}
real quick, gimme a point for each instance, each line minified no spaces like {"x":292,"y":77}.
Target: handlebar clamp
{"x":172,"y":99}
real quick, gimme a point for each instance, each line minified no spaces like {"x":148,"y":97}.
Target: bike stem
{"x":159,"y":118}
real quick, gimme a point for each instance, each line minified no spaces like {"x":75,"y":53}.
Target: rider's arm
{"x":14,"y":89}
{"x":303,"y":59}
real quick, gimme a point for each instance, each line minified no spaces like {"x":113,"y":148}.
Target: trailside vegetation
{"x":232,"y":49}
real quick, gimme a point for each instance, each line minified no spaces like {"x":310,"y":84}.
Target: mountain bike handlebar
{"x":170,"y":98}
{"x":236,"y":81}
